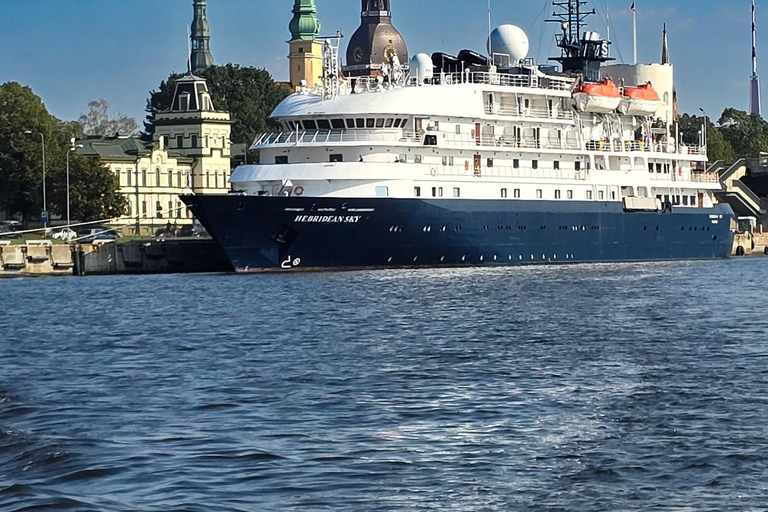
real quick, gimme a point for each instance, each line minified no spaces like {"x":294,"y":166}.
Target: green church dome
{"x":304,"y":26}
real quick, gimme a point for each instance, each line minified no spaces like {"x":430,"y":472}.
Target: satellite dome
{"x":510,"y":40}
{"x":422,"y":67}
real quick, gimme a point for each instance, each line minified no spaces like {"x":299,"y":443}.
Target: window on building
{"x":159,"y":210}
{"x":534,"y":164}
{"x":170,"y":177}
{"x":539,"y":193}
{"x":171,"y":212}
{"x":180,"y":141}
{"x":194,"y":141}
{"x":207,"y":179}
{"x":166,"y":142}
{"x":128,"y":207}
{"x":281,"y":159}
{"x":382,"y":191}
{"x":516,"y":193}
{"x":157,"y":177}
{"x":456,"y":192}
{"x":144,"y":208}
{"x":337,"y":157}
{"x":207,"y":142}
{"x":143,"y":177}
{"x":179,"y":182}
{"x":128,"y":175}
{"x":215,"y":180}
{"x":417,"y":191}
{"x":503,"y":192}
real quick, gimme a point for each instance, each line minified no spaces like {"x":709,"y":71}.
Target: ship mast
{"x":581,"y":54}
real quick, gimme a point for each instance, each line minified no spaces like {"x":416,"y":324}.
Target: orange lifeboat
{"x":641,"y":101}
{"x":601,"y":97}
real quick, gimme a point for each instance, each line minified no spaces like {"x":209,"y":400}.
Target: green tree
{"x":92,"y":188}
{"x":249,"y":94}
{"x":746,"y":133}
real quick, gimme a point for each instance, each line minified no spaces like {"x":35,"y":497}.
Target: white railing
{"x":507,"y":80}
{"x":533,"y":112}
{"x":468,"y":171}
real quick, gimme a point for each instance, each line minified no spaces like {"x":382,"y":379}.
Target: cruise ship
{"x":474,"y":160}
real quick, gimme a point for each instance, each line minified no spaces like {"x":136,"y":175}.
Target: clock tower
{"x":376,"y":42}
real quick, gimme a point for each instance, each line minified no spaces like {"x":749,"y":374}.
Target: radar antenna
{"x":580,"y":53}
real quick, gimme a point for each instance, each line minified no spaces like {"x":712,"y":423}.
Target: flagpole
{"x":634,"y":30}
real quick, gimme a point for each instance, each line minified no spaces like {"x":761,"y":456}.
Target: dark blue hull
{"x":261,"y":233}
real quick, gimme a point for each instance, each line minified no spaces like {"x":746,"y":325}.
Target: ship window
{"x":539,"y":193}
{"x":338,"y":124}
{"x":380,"y":123}
{"x":458,"y":129}
{"x":658,"y":168}
{"x":600,"y":195}
{"x":503,"y":192}
{"x":370,"y":122}
{"x":693,"y":200}
{"x":397,"y":123}
{"x":430,"y":140}
{"x":309,"y":124}
{"x":589,"y":194}
{"x":439,"y":191}
{"x":360,"y":123}
{"x":490,"y":162}
{"x":456,"y":192}
{"x":389,"y":123}
{"x":283,"y":159}
{"x":650,"y":166}
{"x":337,"y":158}
{"x":323,"y":124}
{"x":403,"y":158}
{"x":417,"y":191}
{"x":434,"y":191}
{"x":685,"y":200}
{"x":403,"y":123}
{"x":382,"y":191}
{"x":570,"y":194}
{"x":350,"y":123}
{"x":578,"y":165}
{"x":417,"y":159}
{"x":534,"y":164}
{"x":613,"y":195}
{"x":291,"y":125}
{"x":516,"y":193}
{"x":516,"y":163}
{"x":557,"y":194}
{"x":557,"y":165}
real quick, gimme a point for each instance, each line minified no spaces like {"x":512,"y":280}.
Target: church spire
{"x":665,"y":48}
{"x":304,"y":26}
{"x":201,"y":57}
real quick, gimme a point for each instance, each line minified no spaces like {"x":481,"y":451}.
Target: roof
{"x":119,"y":148}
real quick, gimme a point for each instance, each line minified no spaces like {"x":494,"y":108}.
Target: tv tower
{"x":755,"y":103}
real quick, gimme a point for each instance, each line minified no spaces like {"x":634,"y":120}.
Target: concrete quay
{"x":180,"y":255}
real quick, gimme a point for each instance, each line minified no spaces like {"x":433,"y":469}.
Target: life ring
{"x":433,"y":171}
{"x":298,"y":190}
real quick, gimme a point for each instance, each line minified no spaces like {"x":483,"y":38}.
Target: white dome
{"x":510,"y":40}
{"x":422,"y":67}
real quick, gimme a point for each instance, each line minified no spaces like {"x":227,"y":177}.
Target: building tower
{"x":755,"y":102}
{"x":376,"y":42}
{"x":665,"y":47}
{"x":201,"y":57}
{"x":306,"y":51}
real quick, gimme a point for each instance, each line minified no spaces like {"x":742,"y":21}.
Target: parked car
{"x":90,"y":234}
{"x":65,"y":235}
{"x":8,"y":229}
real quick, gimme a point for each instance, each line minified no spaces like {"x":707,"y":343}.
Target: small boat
{"x":601,"y":97}
{"x":641,"y":101}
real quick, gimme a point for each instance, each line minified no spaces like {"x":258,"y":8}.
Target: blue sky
{"x":74,"y":51}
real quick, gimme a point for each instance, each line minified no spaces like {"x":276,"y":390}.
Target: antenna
{"x":755,"y":101}
{"x":189,"y":51}
{"x":490,"y":43}
{"x":634,"y":31}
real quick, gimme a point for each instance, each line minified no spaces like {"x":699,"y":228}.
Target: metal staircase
{"x":742,"y":200}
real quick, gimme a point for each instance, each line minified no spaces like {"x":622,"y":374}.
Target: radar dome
{"x":510,"y":40}
{"x":422,"y":67}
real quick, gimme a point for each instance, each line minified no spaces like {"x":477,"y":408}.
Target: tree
{"x":746,"y":133}
{"x":717,"y":147}
{"x":248,"y":94}
{"x":98,"y":121}
{"x":92,"y":186}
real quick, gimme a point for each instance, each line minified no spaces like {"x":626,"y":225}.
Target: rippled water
{"x":594,"y":387}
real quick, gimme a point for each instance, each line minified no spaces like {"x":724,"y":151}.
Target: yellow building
{"x":306,"y":51}
{"x":189,"y":153}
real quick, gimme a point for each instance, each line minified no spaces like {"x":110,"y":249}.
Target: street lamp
{"x":45,"y":202}
{"x":71,"y":149}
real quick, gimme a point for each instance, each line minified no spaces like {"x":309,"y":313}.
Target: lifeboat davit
{"x":600,"y":98}
{"x":641,"y":101}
